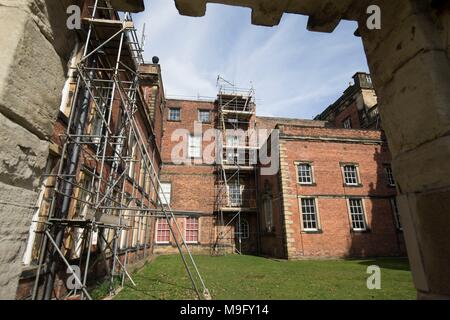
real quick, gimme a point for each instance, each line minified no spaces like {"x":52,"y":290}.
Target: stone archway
{"x":409,"y":58}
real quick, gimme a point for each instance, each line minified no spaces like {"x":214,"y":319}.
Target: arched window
{"x":243,"y":230}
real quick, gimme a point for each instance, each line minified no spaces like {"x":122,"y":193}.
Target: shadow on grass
{"x":388,"y":263}
{"x":154,"y":294}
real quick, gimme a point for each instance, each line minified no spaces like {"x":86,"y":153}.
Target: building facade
{"x":132,"y":174}
{"x":356,"y":108}
{"x":98,"y":196}
{"x":333,"y":194}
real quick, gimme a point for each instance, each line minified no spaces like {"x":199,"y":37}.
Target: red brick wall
{"x":330,"y":132}
{"x":193,"y":185}
{"x":206,"y":237}
{"x":349,"y":111}
{"x":189,"y":115}
{"x":271,"y":242}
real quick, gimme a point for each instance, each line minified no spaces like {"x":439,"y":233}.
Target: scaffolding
{"x":98,"y":201}
{"x":236,"y":164}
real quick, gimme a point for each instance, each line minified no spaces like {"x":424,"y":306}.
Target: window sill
{"x":168,"y":120}
{"x":318,"y":231}
{"x":360,"y":231}
{"x":353,"y":185}
{"x":307,"y":184}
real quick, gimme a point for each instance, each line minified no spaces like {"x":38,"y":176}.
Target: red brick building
{"x":356,"y":108}
{"x":333,"y":195}
{"x":131,"y":174}
{"x":97,"y":197}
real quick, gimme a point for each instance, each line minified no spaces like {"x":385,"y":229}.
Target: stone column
{"x":409,"y":62}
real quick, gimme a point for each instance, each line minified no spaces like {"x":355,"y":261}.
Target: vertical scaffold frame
{"x":107,"y":76}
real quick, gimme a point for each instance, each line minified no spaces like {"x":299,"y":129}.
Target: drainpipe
{"x":71,"y":170}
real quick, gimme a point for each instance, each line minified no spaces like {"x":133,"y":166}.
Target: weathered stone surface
{"x":402,"y":40}
{"x":415,"y":107}
{"x":50,"y":17}
{"x":325,"y":14}
{"x":34,"y":45}
{"x":128,"y":5}
{"x":30,"y":86}
{"x":22,"y":155}
{"x":16,"y":210}
{"x":430,"y":257}
{"x":427,"y":167}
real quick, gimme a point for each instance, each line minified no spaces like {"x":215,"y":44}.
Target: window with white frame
{"x":148,"y":179}
{"x":143,"y":231}
{"x":142,"y":171}
{"x":235,"y":193}
{"x":232,"y":143}
{"x":268,"y":215}
{"x":165,"y":190}
{"x":204,"y":116}
{"x":350,"y":174}
{"x":195,"y":147}
{"x":132,"y":153}
{"x":305,"y":173}
{"x":136,"y":228}
{"x":174,"y":114}
{"x":191,"y":230}
{"x":348,"y":123}
{"x":242,"y":229}
{"x":389,"y":176}
{"x":396,"y":212}
{"x":124,"y":233}
{"x":233,"y":140}
{"x":84,"y":194}
{"x":309,"y":214}
{"x":357,"y":217}
{"x":162,"y":231}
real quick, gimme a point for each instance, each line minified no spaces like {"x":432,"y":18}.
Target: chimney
{"x":363,"y":80}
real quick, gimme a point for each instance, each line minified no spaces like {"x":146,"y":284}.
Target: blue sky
{"x":296,"y":73}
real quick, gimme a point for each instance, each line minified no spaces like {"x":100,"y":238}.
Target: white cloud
{"x":295,"y":72}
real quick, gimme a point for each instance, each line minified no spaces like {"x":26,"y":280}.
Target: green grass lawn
{"x":249,"y":277}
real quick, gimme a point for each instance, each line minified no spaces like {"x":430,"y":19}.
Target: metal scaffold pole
{"x":234,"y":165}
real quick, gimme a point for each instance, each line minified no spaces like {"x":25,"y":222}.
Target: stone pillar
{"x":35,"y":45}
{"x":287,"y":196}
{"x":410,"y":66}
